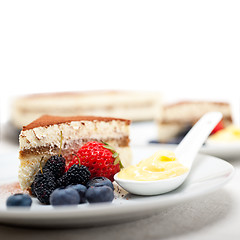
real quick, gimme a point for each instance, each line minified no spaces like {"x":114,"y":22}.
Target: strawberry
{"x":218,"y":127}
{"x":100,"y":158}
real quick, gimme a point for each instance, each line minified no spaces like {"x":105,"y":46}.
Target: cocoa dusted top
{"x":47,"y":120}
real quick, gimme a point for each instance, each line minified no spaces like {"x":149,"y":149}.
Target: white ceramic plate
{"x":208,"y":174}
{"x":224,"y":150}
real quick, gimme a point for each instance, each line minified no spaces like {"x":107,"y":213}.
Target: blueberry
{"x":64,"y":196}
{"x":100,"y":181}
{"x":99,"y":194}
{"x":81,"y":189}
{"x":19,"y":200}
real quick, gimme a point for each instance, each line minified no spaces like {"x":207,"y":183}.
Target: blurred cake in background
{"x":136,"y":106}
{"x":178,"y":118}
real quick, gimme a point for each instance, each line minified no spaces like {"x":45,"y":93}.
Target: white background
{"x":181,"y":48}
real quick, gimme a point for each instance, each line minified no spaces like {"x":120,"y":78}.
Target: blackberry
{"x":56,"y":164}
{"x":32,"y":190}
{"x":75,"y":175}
{"x":44,"y":184}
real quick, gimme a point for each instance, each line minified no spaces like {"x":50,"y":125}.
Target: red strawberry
{"x":218,"y":127}
{"x":100,"y":158}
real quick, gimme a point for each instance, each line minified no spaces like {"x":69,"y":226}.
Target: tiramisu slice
{"x":178,"y":118}
{"x":119,"y":104}
{"x":42,"y":138}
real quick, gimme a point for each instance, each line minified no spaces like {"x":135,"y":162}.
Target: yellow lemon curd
{"x":228,"y":134}
{"x":162,"y":165}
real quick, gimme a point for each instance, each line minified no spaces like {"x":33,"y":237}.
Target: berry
{"x":100,"y":181}
{"x":99,"y":194}
{"x":32,"y":192}
{"x":56,"y":164}
{"x":19,"y":200}
{"x":44,"y":185}
{"x":61,"y":196}
{"x":100,"y":158}
{"x":81,"y":189}
{"x":219,"y":127}
{"x":75,"y":175}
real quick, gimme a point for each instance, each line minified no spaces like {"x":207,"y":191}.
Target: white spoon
{"x":185,"y":153}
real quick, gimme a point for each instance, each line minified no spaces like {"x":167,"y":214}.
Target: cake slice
{"x":119,"y":104}
{"x":41,"y":139}
{"x":177,"y":118}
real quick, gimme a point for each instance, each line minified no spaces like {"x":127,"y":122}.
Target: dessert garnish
{"x":100,"y":158}
{"x":44,"y":184}
{"x":57,"y":184}
{"x":99,"y":194}
{"x":64,"y":196}
{"x":100,"y":181}
{"x":19,"y":200}
{"x":52,"y":176}
{"x":76,"y":174}
{"x":81,"y":189}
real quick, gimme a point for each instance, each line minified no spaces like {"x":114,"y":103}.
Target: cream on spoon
{"x":185,"y":153}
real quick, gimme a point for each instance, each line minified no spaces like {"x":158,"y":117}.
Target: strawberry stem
{"x":41,"y":165}
{"x":115,"y":155}
{"x":79,"y":161}
{"x":61,"y":140}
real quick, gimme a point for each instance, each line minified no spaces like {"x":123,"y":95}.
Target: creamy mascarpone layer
{"x":51,"y":135}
